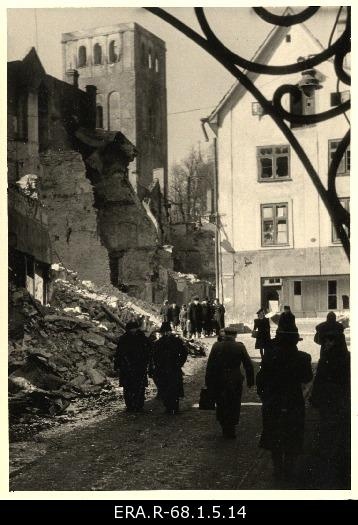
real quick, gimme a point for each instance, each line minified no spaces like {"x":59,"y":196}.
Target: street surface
{"x":154,"y":451}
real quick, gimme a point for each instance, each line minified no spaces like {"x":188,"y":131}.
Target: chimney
{"x":72,"y":77}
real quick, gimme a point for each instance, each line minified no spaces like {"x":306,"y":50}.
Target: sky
{"x":195,"y":81}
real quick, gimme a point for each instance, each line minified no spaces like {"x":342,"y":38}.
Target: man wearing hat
{"x":195,"y":315}
{"x":131,"y":362}
{"x":169,"y":355}
{"x":224,"y":380}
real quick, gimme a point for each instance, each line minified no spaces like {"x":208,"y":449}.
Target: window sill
{"x":277,"y":247}
{"x":275,"y":180}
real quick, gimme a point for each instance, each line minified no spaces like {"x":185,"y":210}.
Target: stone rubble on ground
{"x":65,"y":350}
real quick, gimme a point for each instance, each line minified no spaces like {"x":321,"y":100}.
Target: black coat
{"x":218,"y":313}
{"x":205,"y":312}
{"x":279,"y":384}
{"x":224,"y":378}
{"x":173,"y":314}
{"x":169,"y":355}
{"x":132,"y":358}
{"x":195,"y":313}
{"x":263,"y":328}
{"x":331,"y":387}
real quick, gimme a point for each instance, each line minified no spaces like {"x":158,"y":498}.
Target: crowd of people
{"x":283,"y":371}
{"x":197,"y":319}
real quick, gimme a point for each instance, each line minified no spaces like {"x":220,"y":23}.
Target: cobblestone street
{"x":154,"y":451}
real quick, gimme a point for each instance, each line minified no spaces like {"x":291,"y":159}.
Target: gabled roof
{"x":262,"y":55}
{"x":29,"y":71}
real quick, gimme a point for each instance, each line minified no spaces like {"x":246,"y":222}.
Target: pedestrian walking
{"x":206,"y":316}
{"x":183,"y":318}
{"x":131,"y":363}
{"x":169,"y":355}
{"x":331,"y":396}
{"x":279,"y":384}
{"x":164,"y":311}
{"x":195,"y":317}
{"x":224,"y":379}
{"x":218,"y":316}
{"x":173,"y":315}
{"x":329,"y":327}
{"x":261,"y":331}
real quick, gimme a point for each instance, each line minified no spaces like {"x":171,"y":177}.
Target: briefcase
{"x":206,"y":402}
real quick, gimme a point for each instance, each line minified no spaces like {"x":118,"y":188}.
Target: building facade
{"x":127,"y":65}
{"x":276,"y":241}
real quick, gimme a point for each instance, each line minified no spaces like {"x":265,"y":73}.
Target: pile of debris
{"x":65,"y":350}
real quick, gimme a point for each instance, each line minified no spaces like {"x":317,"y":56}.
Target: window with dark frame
{"x":82,"y":56}
{"x":113,"y":52}
{"x":332,"y":295}
{"x":297,"y":288}
{"x":344,"y":167}
{"x":273,"y":163}
{"x":97,"y":54}
{"x":274,"y":224}
{"x":345,"y":201}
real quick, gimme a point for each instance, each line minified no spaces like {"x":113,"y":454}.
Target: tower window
{"x":82,"y":56}
{"x":113,"y":51}
{"x":97,"y":54}
{"x":99,"y":117}
{"x":156,"y":64}
{"x":150,"y":62}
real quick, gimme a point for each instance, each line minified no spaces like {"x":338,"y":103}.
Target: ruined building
{"x":127,"y":65}
{"x":97,"y":224}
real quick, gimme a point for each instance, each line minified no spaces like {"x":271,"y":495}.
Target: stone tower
{"x":127,"y":65}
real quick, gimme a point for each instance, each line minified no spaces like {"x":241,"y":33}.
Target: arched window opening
{"x":99,"y":117}
{"x":150,"y":64}
{"x":97,"y":54}
{"x":113,"y":51}
{"x":114,"y":111}
{"x":156,"y":64}
{"x":345,"y":301}
{"x":82,"y":56}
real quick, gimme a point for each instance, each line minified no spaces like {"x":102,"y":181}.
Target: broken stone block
{"x":78,"y":381}
{"x":96,"y":377}
{"x":111,"y":346}
{"x":93,"y":339}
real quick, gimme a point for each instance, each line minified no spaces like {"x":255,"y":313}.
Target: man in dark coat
{"x":169,"y":355}
{"x":262,"y":329}
{"x":131,"y":362}
{"x":224,"y":379}
{"x":173,"y":315}
{"x":279,"y":384}
{"x":195,"y":317}
{"x":206,"y":316}
{"x":218,"y":316}
{"x":331,"y":396}
{"x":328,"y":328}
{"x":164,"y":311}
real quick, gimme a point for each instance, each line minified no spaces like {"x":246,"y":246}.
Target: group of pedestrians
{"x":200,"y":318}
{"x":283,"y":371}
{"x":139,"y":357}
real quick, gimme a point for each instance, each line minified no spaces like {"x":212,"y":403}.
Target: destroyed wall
{"x":194,"y":250}
{"x":72,"y":218}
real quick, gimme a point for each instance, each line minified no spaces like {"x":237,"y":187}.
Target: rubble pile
{"x":64,"y":351}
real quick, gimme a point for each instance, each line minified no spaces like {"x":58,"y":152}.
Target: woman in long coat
{"x":279,"y":384}
{"x":169,"y":355}
{"x":262,"y":329}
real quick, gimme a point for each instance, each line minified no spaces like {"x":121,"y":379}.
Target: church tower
{"x":127,"y":65}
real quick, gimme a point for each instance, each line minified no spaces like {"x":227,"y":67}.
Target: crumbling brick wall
{"x":72,"y":218}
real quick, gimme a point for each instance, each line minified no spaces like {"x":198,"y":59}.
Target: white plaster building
{"x":276,"y":241}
